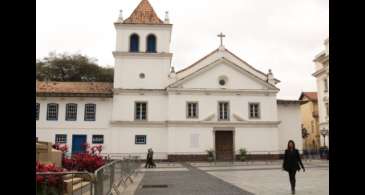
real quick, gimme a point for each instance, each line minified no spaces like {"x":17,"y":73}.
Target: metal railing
{"x":102,"y":182}
{"x":110,"y":176}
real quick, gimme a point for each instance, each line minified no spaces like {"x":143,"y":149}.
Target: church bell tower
{"x":142,"y":55}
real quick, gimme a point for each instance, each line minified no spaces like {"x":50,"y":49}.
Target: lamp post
{"x":324,"y":133}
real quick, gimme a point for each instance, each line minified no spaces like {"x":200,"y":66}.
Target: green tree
{"x":74,"y":67}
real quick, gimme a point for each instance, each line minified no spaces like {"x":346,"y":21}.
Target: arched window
{"x":134,"y":43}
{"x":151,"y":43}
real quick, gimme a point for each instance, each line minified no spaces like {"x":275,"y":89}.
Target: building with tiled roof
{"x":74,"y":89}
{"x":310,"y":120}
{"x":312,"y":96}
{"x":220,"y":102}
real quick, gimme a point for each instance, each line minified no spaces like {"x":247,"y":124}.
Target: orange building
{"x":310,"y":120}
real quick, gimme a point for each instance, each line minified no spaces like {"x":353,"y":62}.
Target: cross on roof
{"x":221,"y":36}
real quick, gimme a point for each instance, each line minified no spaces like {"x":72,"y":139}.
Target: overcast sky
{"x":282,"y":35}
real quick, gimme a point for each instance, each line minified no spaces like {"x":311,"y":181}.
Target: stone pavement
{"x":269,"y":179}
{"x":190,"y":181}
{"x":259,"y":178}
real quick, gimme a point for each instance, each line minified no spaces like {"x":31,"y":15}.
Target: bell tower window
{"x":151,"y":44}
{"x":134,"y":43}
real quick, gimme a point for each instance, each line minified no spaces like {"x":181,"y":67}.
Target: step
{"x":80,"y":185}
{"x":69,"y":183}
{"x":85,"y":186}
{"x":68,"y":176}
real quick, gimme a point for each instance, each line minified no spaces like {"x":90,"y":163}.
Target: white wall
{"x":123,"y":140}
{"x":49,"y":134}
{"x":46,"y":130}
{"x":208,"y":104}
{"x":124,"y":107}
{"x":290,"y":126}
{"x":103,"y":113}
{"x":256,"y":139}
{"x":179,"y":139}
{"x":128,"y":68}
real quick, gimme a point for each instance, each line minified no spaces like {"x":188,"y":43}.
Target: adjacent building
{"x":322,"y":75}
{"x":310,"y":120}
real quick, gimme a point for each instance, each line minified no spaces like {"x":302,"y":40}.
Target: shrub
{"x":90,"y":160}
{"x":210,"y":154}
{"x":243,"y":154}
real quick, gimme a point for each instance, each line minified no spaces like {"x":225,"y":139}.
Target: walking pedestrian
{"x":291,"y":163}
{"x":148,"y":159}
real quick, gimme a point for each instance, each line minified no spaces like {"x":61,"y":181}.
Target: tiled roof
{"x":74,"y":88}
{"x":310,"y":95}
{"x":143,"y":14}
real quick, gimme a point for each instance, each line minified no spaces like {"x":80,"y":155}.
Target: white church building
{"x":220,"y":102}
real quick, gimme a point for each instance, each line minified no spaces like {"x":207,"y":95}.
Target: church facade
{"x":220,"y":102}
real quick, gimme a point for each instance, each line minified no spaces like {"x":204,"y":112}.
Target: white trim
{"x":195,"y":123}
{"x":222,"y":91}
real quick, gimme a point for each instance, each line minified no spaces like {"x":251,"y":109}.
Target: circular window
{"x":222,"y":82}
{"x":142,"y":76}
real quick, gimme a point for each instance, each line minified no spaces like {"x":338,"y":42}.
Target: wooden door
{"x":224,"y":145}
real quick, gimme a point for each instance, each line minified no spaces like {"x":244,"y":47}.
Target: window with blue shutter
{"x":134,"y":43}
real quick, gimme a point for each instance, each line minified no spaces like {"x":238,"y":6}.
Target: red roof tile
{"x":310,"y":95}
{"x":101,"y":88}
{"x":143,"y":14}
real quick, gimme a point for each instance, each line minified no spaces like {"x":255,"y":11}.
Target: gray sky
{"x":282,"y":35}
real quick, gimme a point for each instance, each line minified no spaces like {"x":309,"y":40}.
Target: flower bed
{"x":48,"y":184}
{"x":89,"y":161}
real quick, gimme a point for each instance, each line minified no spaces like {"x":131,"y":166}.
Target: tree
{"x":74,"y":67}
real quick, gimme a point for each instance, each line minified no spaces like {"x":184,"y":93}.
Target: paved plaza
{"x":260,"y":178}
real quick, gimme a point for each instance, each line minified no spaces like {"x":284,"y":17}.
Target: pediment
{"x":210,"y":76}
{"x":220,"y":53}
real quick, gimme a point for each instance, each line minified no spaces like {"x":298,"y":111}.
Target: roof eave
{"x":66,"y":94}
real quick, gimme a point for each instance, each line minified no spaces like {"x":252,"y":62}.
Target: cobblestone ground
{"x":259,"y":178}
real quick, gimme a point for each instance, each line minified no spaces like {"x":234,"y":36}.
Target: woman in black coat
{"x":291,"y":163}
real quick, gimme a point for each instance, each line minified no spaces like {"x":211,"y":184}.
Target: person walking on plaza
{"x":148,"y":160}
{"x":291,"y":163}
{"x":152,"y":163}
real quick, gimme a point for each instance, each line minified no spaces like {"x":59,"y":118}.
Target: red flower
{"x":39,"y":179}
{"x":53,"y":180}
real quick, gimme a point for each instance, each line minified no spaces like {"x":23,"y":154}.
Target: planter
{"x":210,"y":158}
